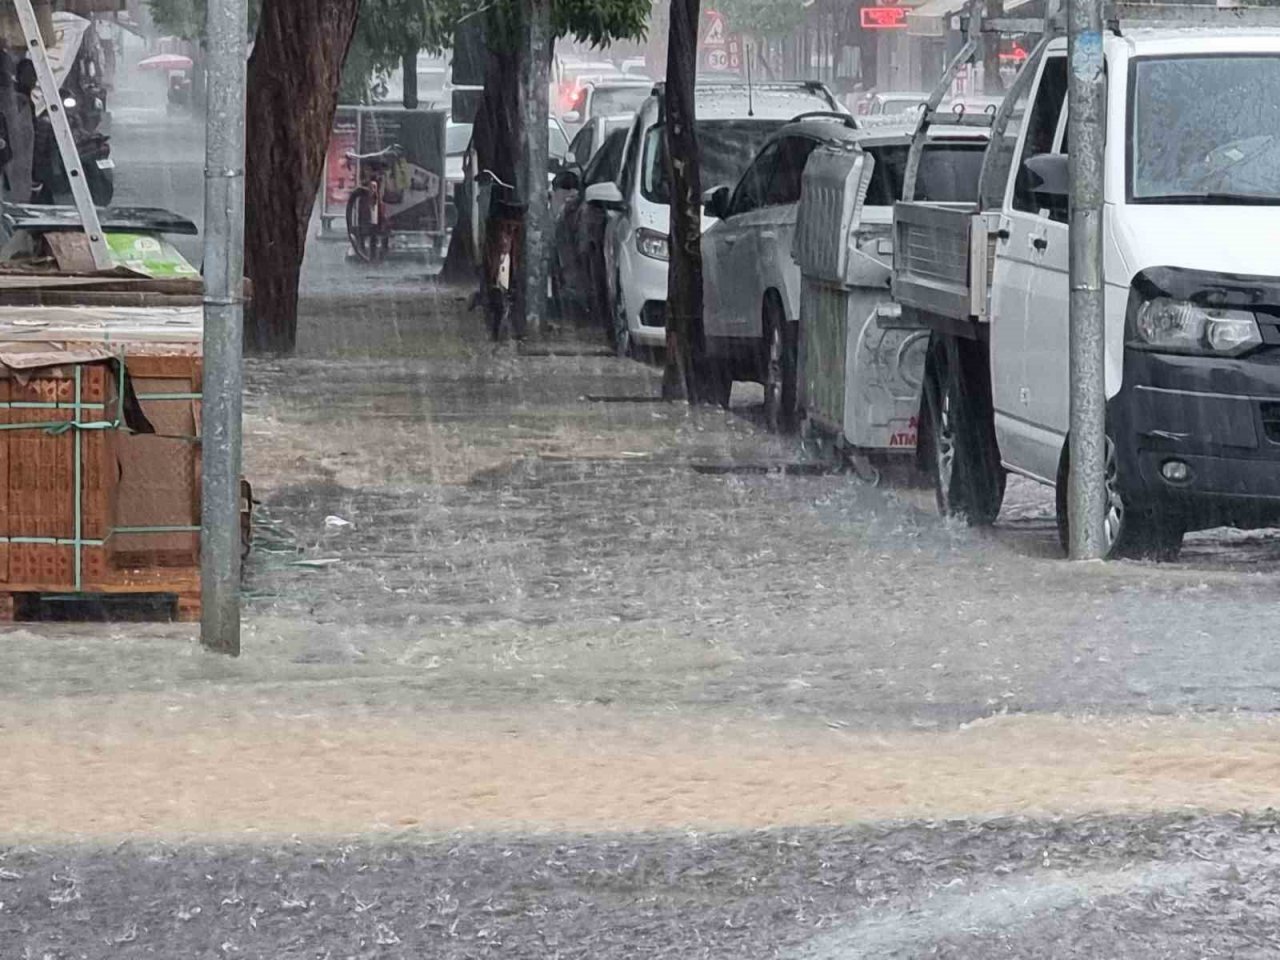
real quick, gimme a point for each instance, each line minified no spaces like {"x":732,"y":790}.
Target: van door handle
{"x":1040,"y":243}
{"x":729,"y":241}
{"x":768,"y":235}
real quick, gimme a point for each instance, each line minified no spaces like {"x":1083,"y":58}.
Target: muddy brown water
{"x":224,"y":767}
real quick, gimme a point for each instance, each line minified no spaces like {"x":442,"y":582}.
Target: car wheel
{"x":958,"y":436}
{"x":619,"y":331}
{"x":779,"y":353}
{"x":1149,"y":534}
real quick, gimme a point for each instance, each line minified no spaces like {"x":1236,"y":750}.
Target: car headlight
{"x":653,"y":244}
{"x":1179,"y":326}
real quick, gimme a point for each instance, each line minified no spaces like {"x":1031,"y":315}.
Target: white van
{"x":1192,"y":289}
{"x":733,"y":123}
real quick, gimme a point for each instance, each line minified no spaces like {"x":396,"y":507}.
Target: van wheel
{"x":958,"y":439}
{"x":1138,"y":534}
{"x":779,"y":360}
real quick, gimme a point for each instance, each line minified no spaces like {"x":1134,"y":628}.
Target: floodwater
{"x":535,"y":665}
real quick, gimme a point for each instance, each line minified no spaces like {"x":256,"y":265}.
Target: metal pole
{"x":1086,"y":116}
{"x":226,"y":25}
{"x":535,"y":75}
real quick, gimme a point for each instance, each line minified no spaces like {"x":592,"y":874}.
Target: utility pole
{"x":992,"y":82}
{"x":226,"y":24}
{"x":684,"y":277}
{"x":535,"y":77}
{"x":1086,"y":115}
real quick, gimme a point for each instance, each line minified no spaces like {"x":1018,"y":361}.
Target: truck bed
{"x":942,"y":258}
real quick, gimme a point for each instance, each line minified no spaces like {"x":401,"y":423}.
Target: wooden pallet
{"x":19,"y":602}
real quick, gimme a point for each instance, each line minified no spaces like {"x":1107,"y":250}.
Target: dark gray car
{"x":578,"y":270}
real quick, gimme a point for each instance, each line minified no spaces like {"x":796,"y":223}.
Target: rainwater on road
{"x":537,"y":666}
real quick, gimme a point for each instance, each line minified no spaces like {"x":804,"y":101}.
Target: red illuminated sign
{"x":884,"y":18}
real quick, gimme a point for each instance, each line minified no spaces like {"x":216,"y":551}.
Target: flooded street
{"x":537,"y":666}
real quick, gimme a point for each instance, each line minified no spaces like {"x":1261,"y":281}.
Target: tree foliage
{"x":184,"y":19}
{"x":764,"y":19}
{"x":389,"y":29}
{"x":179,"y":18}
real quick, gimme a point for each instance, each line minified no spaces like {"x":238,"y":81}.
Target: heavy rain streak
{"x":639,"y":478}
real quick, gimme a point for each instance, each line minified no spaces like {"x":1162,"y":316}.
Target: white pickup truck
{"x":1192,"y":292}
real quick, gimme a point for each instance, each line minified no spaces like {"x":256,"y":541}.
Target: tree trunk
{"x":684,"y":278}
{"x":535,"y":76}
{"x":409,"y":67}
{"x":497,"y":131}
{"x":497,"y":124}
{"x":293,"y":91}
{"x":460,"y":259}
{"x":992,"y":82}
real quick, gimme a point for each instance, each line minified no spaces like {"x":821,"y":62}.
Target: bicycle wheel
{"x":362,"y":231}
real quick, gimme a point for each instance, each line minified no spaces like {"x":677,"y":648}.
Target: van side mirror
{"x":716,"y":202}
{"x":1048,"y":179}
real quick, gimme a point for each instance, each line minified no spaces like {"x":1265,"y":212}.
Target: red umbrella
{"x":165,"y":61}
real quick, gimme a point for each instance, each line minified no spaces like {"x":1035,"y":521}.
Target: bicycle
{"x":368,"y":225}
{"x":394,"y":195}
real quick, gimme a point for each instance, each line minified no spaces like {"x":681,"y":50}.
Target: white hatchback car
{"x":733,"y":122}
{"x":751,"y":283}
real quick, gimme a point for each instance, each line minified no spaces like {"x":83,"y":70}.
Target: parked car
{"x":889,"y":103}
{"x":592,"y":136}
{"x":578,"y":267}
{"x":569,"y":74}
{"x":605,"y":98}
{"x":457,"y":140}
{"x":751,"y":284}
{"x":733,"y":123}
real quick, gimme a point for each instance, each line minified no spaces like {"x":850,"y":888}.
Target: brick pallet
{"x":99,"y":448}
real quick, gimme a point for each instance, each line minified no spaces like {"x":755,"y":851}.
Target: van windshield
{"x":1205,"y":130}
{"x":727,"y":147}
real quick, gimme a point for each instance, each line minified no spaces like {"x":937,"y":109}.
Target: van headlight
{"x":1164,"y":324}
{"x":653,"y":244}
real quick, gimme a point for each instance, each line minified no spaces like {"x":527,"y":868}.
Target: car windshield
{"x":607,"y":101}
{"x":457,"y":136}
{"x":727,"y":147}
{"x":948,"y":173}
{"x":1206,"y":130}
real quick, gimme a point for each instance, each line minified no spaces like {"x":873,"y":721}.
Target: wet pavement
{"x":1083,"y":888}
{"x":479,"y":572}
